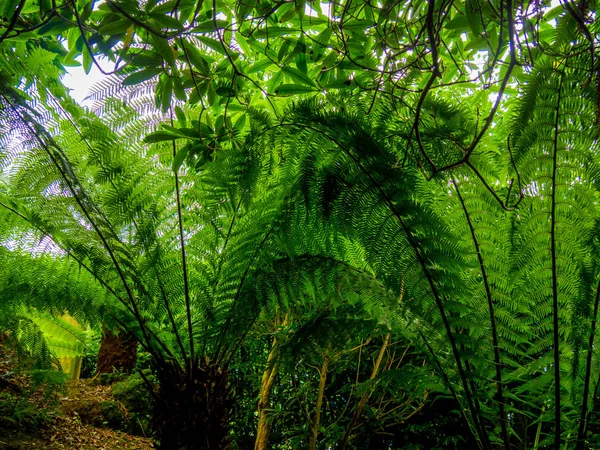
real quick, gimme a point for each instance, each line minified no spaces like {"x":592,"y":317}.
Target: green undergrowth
{"x":31,"y":401}
{"x":133,"y":394}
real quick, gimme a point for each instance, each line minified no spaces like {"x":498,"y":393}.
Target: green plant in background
{"x":17,"y":408}
{"x":133,"y":394}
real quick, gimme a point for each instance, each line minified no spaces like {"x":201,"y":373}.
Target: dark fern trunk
{"x":191,"y":408}
{"x":117,"y":352}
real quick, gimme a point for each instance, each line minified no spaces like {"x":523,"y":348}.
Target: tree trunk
{"x":266,"y":387}
{"x":363,"y":399}
{"x":268,"y":378}
{"x":314,"y":426}
{"x":117,"y":352}
{"x":191,"y":407}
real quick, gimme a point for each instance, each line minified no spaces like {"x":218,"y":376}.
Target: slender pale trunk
{"x":266,"y":387}
{"x":363,"y":399}
{"x":314,"y":426}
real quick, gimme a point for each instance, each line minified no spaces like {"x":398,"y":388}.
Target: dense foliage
{"x":325,"y":219}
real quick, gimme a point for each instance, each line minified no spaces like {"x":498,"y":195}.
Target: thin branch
{"x":13,"y":20}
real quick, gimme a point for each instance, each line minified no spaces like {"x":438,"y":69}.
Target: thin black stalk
{"x":66,"y":174}
{"x":93,"y":274}
{"x":581,"y":432}
{"x":227,"y":238}
{"x":186,"y":288}
{"x":116,"y":237}
{"x":170,"y":314}
{"x":555,"y":306}
{"x":424,"y":268}
{"x":493,"y":326}
{"x":447,"y":381}
{"x":114,"y":233}
{"x":239,"y":290}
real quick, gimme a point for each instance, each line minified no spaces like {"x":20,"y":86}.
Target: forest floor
{"x":60,"y":420}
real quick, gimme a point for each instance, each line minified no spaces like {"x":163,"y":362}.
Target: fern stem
{"x":94,"y":274}
{"x":111,"y":229}
{"x":170,"y":314}
{"x":70,"y":254}
{"x":555,"y":308}
{"x":113,"y":232}
{"x":226,"y":243}
{"x":436,"y":295}
{"x":238,"y":293}
{"x":62,"y":164}
{"x":77,"y":194}
{"x":313,"y":432}
{"x":493,"y":326}
{"x":588,"y":374}
{"x":186,"y":287}
{"x":447,"y":382}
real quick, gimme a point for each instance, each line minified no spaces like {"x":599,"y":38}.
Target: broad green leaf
{"x":166,"y":95}
{"x":358,"y":25}
{"x":477,"y":44}
{"x":196,"y":59}
{"x":179,"y":157}
{"x":298,"y":76}
{"x":9,"y":9}
{"x":472,"y":10}
{"x":162,"y":46}
{"x":213,"y":43}
{"x":273,"y":32}
{"x":301,"y":63}
{"x":460,"y":22}
{"x":178,"y":89}
{"x":223,"y":91}
{"x":180,"y":116}
{"x":160,"y":136}
{"x":188,"y":133}
{"x":146,"y":60}
{"x":261,"y":48}
{"x":275,"y":81}
{"x":554,"y":13}
{"x":323,"y":37}
{"x":260,"y":66}
{"x":165,"y":7}
{"x":330,"y":60}
{"x":87,"y":60}
{"x":30,"y":8}
{"x":291,"y":89}
{"x":142,"y":75}
{"x":210,"y":26}
{"x":211,"y":94}
{"x":243,"y":9}
{"x":166,"y":21}
{"x":283,"y":50}
{"x":117,"y":27}
{"x":239,"y":123}
{"x":338,"y":84}
{"x":53,"y":27}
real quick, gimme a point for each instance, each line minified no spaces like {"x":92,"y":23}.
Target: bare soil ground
{"x":63,"y":425}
